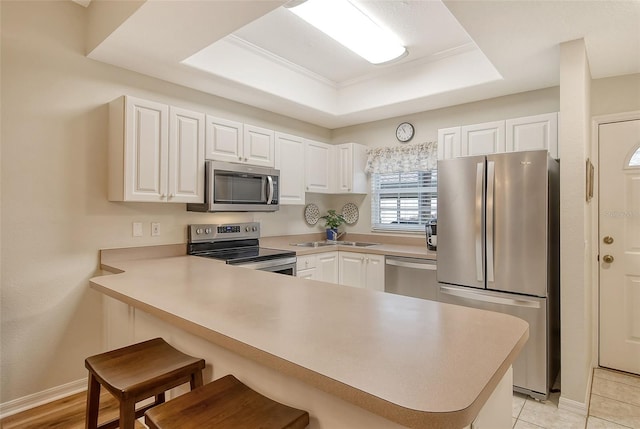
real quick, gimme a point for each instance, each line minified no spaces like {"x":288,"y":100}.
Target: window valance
{"x":402,"y":159}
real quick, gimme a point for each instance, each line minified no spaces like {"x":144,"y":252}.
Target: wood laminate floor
{"x":65,"y":413}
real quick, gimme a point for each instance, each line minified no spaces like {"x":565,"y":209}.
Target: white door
{"x":619,"y":245}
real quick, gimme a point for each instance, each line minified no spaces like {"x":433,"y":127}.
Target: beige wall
{"x":575,"y":224}
{"x":54,"y":212}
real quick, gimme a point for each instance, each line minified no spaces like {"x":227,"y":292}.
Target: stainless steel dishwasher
{"x":411,"y":277}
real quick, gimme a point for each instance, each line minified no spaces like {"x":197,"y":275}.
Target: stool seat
{"x":225,"y":403}
{"x":135,"y":373}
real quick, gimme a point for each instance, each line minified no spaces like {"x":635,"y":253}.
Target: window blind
{"x":404,"y":201}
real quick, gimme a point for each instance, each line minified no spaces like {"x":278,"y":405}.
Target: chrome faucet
{"x":340,"y":234}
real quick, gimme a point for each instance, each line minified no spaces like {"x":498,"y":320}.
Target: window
{"x":635,"y":159}
{"x":404,"y":201}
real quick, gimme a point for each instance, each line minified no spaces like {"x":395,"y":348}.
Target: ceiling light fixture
{"x":348,"y":25}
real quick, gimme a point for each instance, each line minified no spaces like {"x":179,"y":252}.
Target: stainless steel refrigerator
{"x":498,"y":249}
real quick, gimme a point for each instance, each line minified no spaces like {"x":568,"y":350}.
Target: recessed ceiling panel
{"x":425,"y":27}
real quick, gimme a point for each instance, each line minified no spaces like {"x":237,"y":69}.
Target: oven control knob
{"x":207,"y":231}
{"x":254,"y":229}
{"x":199,"y":231}
{"x":247,"y":229}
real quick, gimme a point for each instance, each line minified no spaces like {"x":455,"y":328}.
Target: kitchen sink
{"x":331,"y":243}
{"x":313,"y":244}
{"x":356,"y":243}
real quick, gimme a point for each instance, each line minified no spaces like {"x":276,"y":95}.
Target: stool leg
{"x":160,"y":398}
{"x":93,"y":403}
{"x":196,"y":380}
{"x":127,"y":413}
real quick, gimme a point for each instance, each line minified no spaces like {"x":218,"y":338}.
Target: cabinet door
{"x":224,"y":140}
{"x":375,"y":272}
{"x":259,"y":146}
{"x":186,"y":156}
{"x":345,"y":168}
{"x":449,"y":143}
{"x":290,"y":162}
{"x":483,"y":139}
{"x":328,"y":267}
{"x":146,"y":150}
{"x":533,"y":133}
{"x":352,"y":269}
{"x":319,"y":159}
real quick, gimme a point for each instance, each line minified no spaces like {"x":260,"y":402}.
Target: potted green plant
{"x":332,"y":221}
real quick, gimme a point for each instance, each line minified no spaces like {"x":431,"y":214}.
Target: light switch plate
{"x":137,"y":229}
{"x":155,"y":229}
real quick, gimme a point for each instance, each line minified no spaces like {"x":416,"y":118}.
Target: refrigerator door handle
{"x":491,"y":183}
{"x":476,"y":296}
{"x":478,"y":221}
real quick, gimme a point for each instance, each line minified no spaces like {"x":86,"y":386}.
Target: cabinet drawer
{"x":306,"y":262}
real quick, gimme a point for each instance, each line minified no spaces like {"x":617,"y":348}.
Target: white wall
{"x":55,"y":213}
{"x":575,"y":226}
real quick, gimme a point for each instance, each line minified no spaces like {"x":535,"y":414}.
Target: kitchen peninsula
{"x":353,"y":358}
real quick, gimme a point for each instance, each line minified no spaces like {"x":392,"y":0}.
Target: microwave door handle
{"x":270,"y":194}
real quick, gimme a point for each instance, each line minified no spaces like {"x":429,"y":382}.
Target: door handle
{"x":270,"y":182}
{"x":608,"y":240}
{"x":489,"y":298}
{"x":478,"y":221}
{"x":608,"y":259}
{"x":491,"y":183}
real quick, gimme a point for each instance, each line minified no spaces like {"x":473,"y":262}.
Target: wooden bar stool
{"x":225,"y":403}
{"x":135,"y":373}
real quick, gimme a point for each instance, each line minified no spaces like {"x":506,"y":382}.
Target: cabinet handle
{"x":246,"y":159}
{"x":239,"y":158}
{"x":163,"y":196}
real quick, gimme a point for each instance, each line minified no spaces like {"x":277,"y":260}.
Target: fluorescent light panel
{"x":350,"y":27}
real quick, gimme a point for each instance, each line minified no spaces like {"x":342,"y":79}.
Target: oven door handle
{"x":268,"y":264}
{"x":270,"y":194}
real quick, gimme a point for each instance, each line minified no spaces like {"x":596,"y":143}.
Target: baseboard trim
{"x":581,"y":408}
{"x":40,"y":398}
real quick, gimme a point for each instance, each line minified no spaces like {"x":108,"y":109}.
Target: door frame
{"x":596,"y":121}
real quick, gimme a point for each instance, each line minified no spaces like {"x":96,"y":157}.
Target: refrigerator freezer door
{"x":530,"y":370}
{"x":517,"y":222}
{"x":461,"y":211}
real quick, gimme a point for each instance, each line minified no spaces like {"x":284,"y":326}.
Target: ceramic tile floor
{"x":615,"y":404}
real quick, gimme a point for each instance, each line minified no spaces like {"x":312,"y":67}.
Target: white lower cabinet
{"x":319,"y":266}
{"x":362,"y":270}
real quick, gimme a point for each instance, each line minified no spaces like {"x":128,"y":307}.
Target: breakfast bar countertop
{"x":418,"y":363}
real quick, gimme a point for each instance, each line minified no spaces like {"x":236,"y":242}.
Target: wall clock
{"x":404,"y":132}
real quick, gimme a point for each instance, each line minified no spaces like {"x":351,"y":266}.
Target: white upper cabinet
{"x":224,"y":140}
{"x":449,"y":143}
{"x":289,"y":158}
{"x":319,"y":160}
{"x":259,"y":146}
{"x":351,"y":178}
{"x":156,"y":152}
{"x":533,"y":133}
{"x":513,"y":135}
{"x":232,"y":141}
{"x":483,"y":139}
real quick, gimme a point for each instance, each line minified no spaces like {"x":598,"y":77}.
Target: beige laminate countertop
{"x":419,"y":363}
{"x":411,"y":248}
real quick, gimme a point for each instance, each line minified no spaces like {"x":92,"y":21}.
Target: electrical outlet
{"x":137,"y":229}
{"x":155,"y":229}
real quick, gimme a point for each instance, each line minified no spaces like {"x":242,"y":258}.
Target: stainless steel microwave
{"x":231,"y":187}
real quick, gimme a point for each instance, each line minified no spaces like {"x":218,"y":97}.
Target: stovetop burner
{"x":236,"y":244}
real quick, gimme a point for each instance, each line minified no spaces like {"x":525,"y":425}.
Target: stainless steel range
{"x":239,"y":244}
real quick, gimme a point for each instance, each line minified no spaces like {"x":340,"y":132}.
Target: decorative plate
{"x":311,"y":214}
{"x":350,"y":213}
